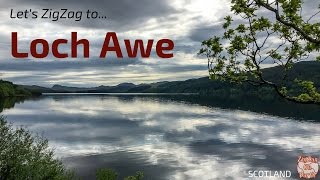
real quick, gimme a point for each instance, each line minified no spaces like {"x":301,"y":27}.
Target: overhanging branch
{"x":295,"y":27}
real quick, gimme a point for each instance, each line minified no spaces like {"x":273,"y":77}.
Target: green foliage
{"x":239,"y":54}
{"x":23,"y":156}
{"x":139,"y":176}
{"x":308,"y":91}
{"x":110,"y":174}
{"x":106,"y":174}
{"x":8,"y":89}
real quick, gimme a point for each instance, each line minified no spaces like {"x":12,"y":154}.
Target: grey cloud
{"x":4,"y":39}
{"x":31,"y":65}
{"x":179,"y":68}
{"x":90,"y":73}
{"x":204,"y":32}
{"x":121,"y":14}
{"x":187,"y":49}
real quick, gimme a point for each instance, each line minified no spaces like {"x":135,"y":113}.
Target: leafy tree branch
{"x":282,"y":37}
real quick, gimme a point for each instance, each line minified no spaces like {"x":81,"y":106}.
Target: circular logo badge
{"x":307,"y":167}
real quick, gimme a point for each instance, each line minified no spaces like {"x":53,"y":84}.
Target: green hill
{"x":304,"y":71}
{"x":8,"y":89}
{"x":214,"y":93}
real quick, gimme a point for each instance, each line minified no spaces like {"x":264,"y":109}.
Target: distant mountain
{"x":304,"y":70}
{"x":59,"y":88}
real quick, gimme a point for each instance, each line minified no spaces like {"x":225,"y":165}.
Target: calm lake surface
{"x":165,"y":139}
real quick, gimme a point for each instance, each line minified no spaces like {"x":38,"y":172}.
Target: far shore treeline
{"x":8,"y":89}
{"x":202,"y":86}
{"x":213,"y":93}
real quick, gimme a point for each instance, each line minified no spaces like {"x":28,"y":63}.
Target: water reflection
{"x":165,"y":139}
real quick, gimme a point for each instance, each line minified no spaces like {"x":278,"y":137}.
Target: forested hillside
{"x":204,"y":86}
{"x":8,"y":89}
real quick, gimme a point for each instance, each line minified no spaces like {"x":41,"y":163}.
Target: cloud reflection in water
{"x":165,"y":139}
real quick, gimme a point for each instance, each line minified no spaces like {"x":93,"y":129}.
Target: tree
{"x":23,"y":156}
{"x":8,"y":89}
{"x":110,"y":174}
{"x":272,"y":31}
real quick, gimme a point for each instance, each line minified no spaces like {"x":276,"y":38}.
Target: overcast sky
{"x":186,"y":22}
